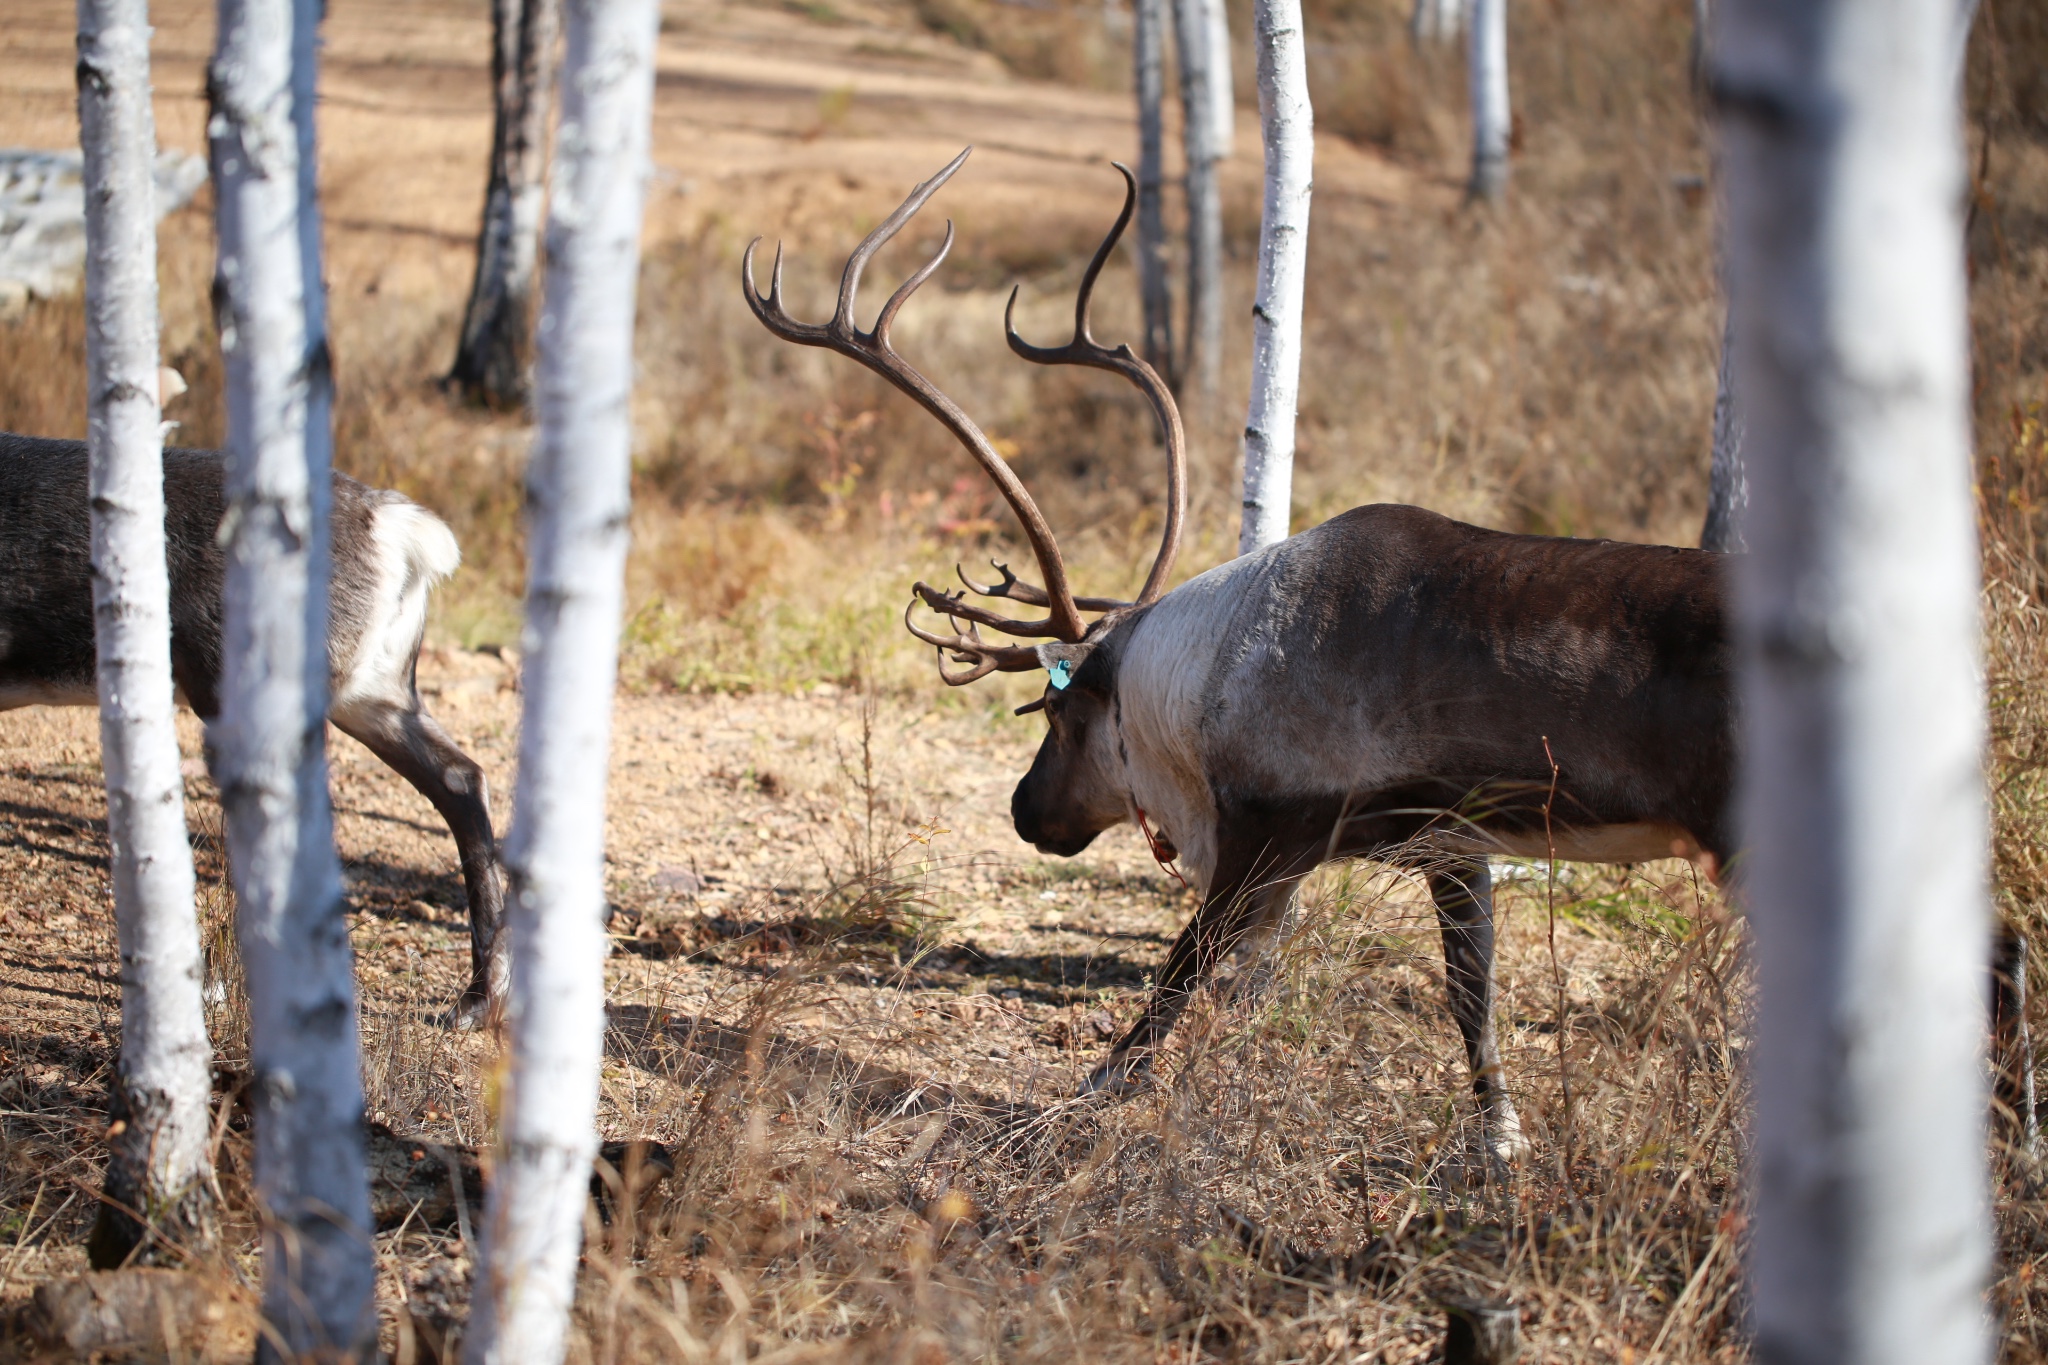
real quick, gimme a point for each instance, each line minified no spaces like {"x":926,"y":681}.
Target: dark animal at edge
{"x":387,"y":555}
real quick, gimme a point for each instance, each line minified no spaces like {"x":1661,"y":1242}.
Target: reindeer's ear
{"x":1063,"y":661}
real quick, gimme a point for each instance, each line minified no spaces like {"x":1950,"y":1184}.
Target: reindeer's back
{"x":1392,"y":642}
{"x":46,"y":618}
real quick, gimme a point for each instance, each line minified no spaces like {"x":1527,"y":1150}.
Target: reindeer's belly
{"x":1640,"y":842}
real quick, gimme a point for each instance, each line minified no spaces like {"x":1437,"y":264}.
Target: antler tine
{"x":986,"y":657}
{"x":1017,"y":590}
{"x":887,"y":317}
{"x":1085,"y":350}
{"x":954,"y":605}
{"x":873,"y":349}
{"x":773,"y":315}
{"x":849,"y":279}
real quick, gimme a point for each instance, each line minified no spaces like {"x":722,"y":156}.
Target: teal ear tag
{"x":1061,"y":671}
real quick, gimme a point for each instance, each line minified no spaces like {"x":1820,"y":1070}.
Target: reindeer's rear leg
{"x":413,"y":744}
{"x":2012,"y":1046}
{"x":1462,"y":888}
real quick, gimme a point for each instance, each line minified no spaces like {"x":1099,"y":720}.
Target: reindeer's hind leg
{"x":2011,"y":1045}
{"x":1462,"y":888}
{"x":413,"y":744}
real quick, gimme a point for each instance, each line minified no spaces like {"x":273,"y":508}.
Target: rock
{"x":412,"y":1177}
{"x":409,"y":1177}
{"x":42,"y":218}
{"x":1481,"y":1332}
{"x":144,"y":1315}
{"x":679,"y":880}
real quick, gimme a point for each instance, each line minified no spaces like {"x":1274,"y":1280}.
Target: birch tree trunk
{"x":577,"y":484}
{"x":1222,"y":88}
{"x":1148,"y":48}
{"x":158,"y":1162}
{"x":1288,"y":127}
{"x":270,"y":739}
{"x":1492,"y":121}
{"x":1202,"y":357}
{"x":1436,"y":21}
{"x":1863,"y":716}
{"x":1728,"y":478}
{"x":492,"y":360}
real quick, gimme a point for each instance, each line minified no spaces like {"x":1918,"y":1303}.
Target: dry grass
{"x":860,"y":1175}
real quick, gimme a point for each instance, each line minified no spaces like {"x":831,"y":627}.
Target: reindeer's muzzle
{"x":1048,"y":827}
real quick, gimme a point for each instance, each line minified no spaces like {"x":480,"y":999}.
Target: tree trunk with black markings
{"x":578,"y":490}
{"x":1201,"y":363}
{"x":158,"y":1192}
{"x":1492,"y":118}
{"x":319,"y":1266}
{"x":1288,"y":125}
{"x":1148,"y":53}
{"x":1861,"y":694}
{"x":495,"y":352}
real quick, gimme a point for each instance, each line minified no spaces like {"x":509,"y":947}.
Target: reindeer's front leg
{"x":1462,"y":888}
{"x":1249,"y":893}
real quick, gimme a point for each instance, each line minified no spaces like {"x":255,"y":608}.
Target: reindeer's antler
{"x":1084,"y":349}
{"x":874,"y":349}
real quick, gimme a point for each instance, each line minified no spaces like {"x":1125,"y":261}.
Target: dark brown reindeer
{"x":388,"y":555}
{"x":1391,"y":684}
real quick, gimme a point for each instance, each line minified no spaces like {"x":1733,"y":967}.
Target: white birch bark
{"x":270,"y":739}
{"x":1861,"y":692}
{"x":577,"y":486}
{"x":1492,"y":120}
{"x":159,"y":1161}
{"x":1203,"y":352}
{"x":1222,"y":89}
{"x":1287,"y":124}
{"x":1148,"y":49}
{"x":1436,"y":21}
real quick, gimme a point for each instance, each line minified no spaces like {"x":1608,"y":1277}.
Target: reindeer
{"x":1391,"y":684}
{"x":388,"y":555}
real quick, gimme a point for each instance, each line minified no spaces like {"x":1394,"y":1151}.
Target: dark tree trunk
{"x":497,"y":329}
{"x":1148,"y":51}
{"x":1201,"y":356}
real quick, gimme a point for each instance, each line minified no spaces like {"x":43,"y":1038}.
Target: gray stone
{"x":42,"y":218}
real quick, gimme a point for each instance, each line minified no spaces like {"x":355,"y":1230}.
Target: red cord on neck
{"x":1162,"y":851}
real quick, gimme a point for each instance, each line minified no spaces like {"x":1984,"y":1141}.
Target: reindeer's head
{"x":1075,"y":788}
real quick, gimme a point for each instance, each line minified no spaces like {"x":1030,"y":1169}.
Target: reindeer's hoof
{"x":1504,"y":1141}
{"x":469,"y":1014}
{"x":1118,"y":1077}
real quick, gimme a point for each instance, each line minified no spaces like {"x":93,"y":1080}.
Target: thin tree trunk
{"x":1728,"y":480}
{"x":1222,"y":91}
{"x":1492,"y":121}
{"x":270,"y":739}
{"x":1436,"y":21}
{"x":158,"y":1165}
{"x":1148,"y":43}
{"x":492,"y":360}
{"x":1288,"y":126}
{"x":1861,"y":699}
{"x":577,"y":484}
{"x":1202,"y":358}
